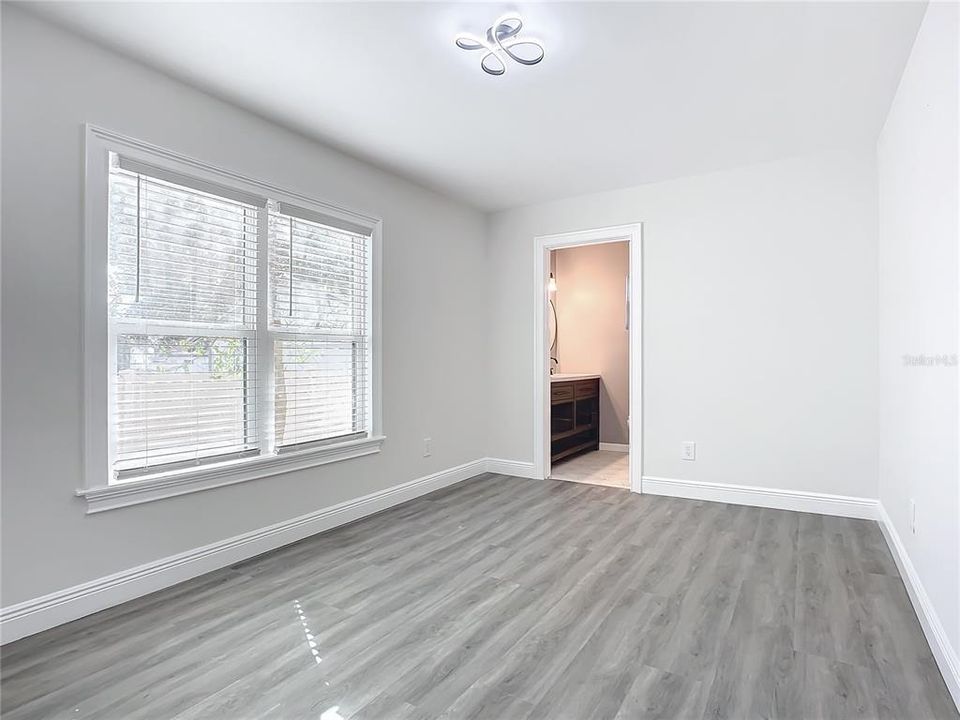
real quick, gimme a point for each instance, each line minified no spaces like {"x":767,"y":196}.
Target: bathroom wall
{"x":593,"y":335}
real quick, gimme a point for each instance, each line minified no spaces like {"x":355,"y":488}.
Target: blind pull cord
{"x":139,"y":185}
{"x":290,"y":311}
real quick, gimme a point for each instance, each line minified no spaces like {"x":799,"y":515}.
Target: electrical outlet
{"x":427,"y":447}
{"x":913,"y":516}
{"x":688,"y":450}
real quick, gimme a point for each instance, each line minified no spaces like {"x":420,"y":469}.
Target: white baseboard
{"x":820,"y":503}
{"x":517,"y":468}
{"x":615,"y":447}
{"x":943,"y":652}
{"x":33,"y":616}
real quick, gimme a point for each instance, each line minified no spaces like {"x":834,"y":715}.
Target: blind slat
{"x":199,"y":186}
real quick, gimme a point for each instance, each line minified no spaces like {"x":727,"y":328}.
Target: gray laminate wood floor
{"x":509,"y":598}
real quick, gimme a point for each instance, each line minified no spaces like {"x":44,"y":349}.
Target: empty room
{"x":481,"y":361}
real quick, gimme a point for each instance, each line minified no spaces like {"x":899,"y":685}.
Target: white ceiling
{"x":628,"y":92}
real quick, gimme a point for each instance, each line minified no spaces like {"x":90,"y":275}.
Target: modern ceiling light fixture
{"x":502,"y":43}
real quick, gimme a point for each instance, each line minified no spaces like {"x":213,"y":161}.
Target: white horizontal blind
{"x":183,"y":306}
{"x":320,"y":326}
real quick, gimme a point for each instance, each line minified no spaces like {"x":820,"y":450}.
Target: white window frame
{"x":97,"y":490}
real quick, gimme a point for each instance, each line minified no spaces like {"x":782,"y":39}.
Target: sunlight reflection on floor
{"x":311,"y":641}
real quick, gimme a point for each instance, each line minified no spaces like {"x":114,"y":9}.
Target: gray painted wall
{"x":759,"y":321}
{"x":919,"y":289}
{"x":433,"y":301}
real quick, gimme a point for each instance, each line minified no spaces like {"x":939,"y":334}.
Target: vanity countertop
{"x":565,"y":377}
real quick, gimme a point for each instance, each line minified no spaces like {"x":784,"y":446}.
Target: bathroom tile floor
{"x":601,"y":467}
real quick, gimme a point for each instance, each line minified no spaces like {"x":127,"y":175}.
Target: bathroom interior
{"x":589,"y":364}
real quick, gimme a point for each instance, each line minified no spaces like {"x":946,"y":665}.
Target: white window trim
{"x":99,"y":493}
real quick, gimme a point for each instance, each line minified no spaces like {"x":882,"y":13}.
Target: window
{"x":182,"y":297}
{"x":239,"y":324}
{"x":318,"y":319}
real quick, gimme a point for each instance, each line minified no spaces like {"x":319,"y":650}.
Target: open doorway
{"x":587,"y":404}
{"x":590,"y":363}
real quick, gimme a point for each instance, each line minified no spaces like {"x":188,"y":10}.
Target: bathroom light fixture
{"x":552,"y":284}
{"x":501,"y":43}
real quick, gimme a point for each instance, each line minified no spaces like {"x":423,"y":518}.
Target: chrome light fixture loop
{"x":501,"y":43}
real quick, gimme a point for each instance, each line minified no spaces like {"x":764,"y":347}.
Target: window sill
{"x":181,"y":482}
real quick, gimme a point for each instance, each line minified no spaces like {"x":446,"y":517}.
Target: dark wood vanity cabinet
{"x":574,"y":417}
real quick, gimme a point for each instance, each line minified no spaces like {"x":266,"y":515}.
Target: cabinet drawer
{"x":587,"y":388}
{"x":561,"y":391}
